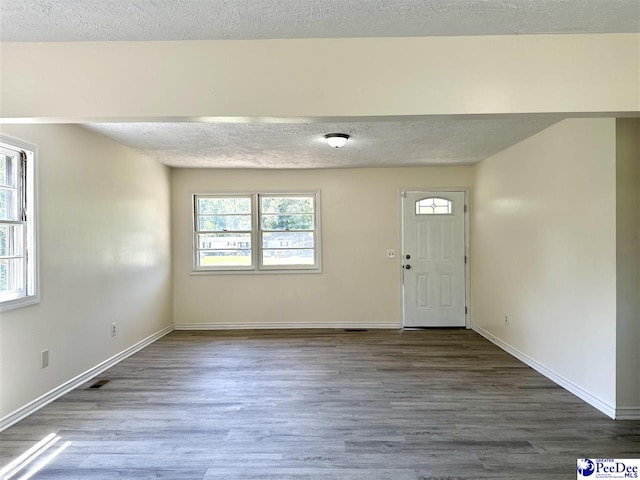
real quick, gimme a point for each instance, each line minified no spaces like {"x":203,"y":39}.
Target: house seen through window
{"x":256,"y":232}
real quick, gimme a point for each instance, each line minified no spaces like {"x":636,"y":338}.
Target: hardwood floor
{"x":309,"y":404}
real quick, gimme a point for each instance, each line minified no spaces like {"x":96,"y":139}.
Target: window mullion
{"x":257,"y":231}
{"x":205,"y":232}
{"x":13,"y":222}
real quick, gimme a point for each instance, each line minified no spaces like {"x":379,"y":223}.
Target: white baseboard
{"x":277,"y":326}
{"x":75,"y":382}
{"x":578,"y":391}
{"x":625,"y":413}
{"x":628,"y":413}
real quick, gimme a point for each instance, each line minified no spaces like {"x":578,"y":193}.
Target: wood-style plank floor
{"x":308,"y":404}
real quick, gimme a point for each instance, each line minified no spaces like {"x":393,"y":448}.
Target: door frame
{"x":467,"y":283}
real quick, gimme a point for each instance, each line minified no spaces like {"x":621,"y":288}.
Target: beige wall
{"x":322,"y":77}
{"x":360,"y":221}
{"x":543,"y":251}
{"x":104,"y":255}
{"x":628,"y":263}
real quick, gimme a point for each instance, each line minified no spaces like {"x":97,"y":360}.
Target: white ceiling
{"x":429,"y":141}
{"x":94,"y":20}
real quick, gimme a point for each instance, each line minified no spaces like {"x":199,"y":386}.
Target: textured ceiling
{"x":94,"y":20}
{"x":426,"y":141}
{"x":430,"y":141}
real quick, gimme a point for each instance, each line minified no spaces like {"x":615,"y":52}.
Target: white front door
{"x":433,"y":259}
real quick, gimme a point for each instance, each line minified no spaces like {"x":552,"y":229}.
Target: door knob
{"x":407,"y":257}
{"x":408,"y":267}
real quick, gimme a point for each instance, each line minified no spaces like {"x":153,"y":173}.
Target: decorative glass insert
{"x":434,"y":206}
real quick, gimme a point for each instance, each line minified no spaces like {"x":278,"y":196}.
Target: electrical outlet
{"x":44,"y":358}
{"x":391,"y":254}
{"x":114,"y":330}
{"x":506,"y":320}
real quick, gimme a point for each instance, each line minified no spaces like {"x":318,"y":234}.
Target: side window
{"x":18,"y":265}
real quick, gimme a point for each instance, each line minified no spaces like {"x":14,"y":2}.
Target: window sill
{"x":19,"y":303}
{"x":289,"y":271}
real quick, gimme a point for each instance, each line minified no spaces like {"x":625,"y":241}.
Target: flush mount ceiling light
{"x":336,"y":140}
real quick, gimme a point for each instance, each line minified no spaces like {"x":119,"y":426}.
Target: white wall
{"x":322,"y":77}
{"x":360,"y":221}
{"x":105,"y":257}
{"x":543,"y":251}
{"x":628,"y":265}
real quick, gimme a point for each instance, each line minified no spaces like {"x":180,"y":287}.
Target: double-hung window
{"x":17,"y":225}
{"x":256,"y":232}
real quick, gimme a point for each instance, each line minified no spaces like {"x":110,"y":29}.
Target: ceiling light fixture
{"x":336,"y":140}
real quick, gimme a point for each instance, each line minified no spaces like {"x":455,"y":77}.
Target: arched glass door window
{"x":434,"y":206}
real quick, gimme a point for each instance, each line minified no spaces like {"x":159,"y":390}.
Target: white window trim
{"x":194,"y":243}
{"x":32,"y":295}
{"x":257,"y":268}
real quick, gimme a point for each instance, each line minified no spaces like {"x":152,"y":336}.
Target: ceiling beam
{"x":321,"y":77}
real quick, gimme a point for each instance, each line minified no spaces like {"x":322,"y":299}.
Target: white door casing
{"x":433,"y":259}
